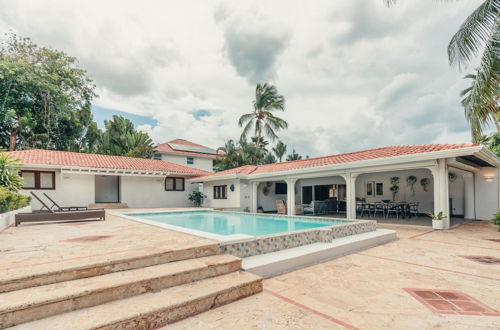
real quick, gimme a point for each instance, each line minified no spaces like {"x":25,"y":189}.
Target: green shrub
{"x":10,"y":200}
{"x":496,"y":219}
{"x":196,"y":197}
{"x":9,"y":172}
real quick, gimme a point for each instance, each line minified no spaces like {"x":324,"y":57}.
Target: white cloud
{"x":355,"y":74}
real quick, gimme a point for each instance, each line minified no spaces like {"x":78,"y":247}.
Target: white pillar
{"x":469,"y":204}
{"x":350,"y":181}
{"x":290,"y":195}
{"x":255,"y":185}
{"x":441,"y":191}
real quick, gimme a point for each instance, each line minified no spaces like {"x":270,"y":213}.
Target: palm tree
{"x":478,"y":36}
{"x":293,"y":156}
{"x":280,"y":150}
{"x":262,"y":120}
{"x":479,"y":114}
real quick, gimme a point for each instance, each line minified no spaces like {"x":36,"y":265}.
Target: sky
{"x":355,"y":74}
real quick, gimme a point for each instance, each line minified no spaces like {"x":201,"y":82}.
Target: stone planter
{"x":438,"y":224}
{"x":8,"y":218}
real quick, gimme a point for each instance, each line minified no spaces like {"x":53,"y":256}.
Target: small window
{"x":39,"y":180}
{"x":280,"y":188}
{"x":220,"y":192}
{"x":190,"y":160}
{"x":379,"y":189}
{"x":174,"y":184}
{"x":369,"y":189}
{"x":157,"y":156}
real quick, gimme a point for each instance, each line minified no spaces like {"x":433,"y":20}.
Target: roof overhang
{"x":418,"y":159}
{"x":106,"y":171}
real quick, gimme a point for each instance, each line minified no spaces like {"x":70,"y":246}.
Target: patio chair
{"x":63,"y":208}
{"x":366,"y":208}
{"x":281,"y":206}
{"x":379,"y":207}
{"x":414,"y":209}
{"x":393,"y":209}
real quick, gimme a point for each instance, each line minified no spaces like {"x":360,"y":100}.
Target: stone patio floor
{"x":364,"y":290}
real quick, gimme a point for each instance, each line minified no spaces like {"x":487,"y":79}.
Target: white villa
{"x":461,"y":180}
{"x":187,"y":153}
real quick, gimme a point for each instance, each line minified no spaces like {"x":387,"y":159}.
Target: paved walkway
{"x":366,"y":290}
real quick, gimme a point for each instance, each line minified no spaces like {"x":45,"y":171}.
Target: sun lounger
{"x":98,"y":214}
{"x":63,"y":208}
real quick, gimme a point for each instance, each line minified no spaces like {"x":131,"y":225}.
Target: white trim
{"x":364,"y":165}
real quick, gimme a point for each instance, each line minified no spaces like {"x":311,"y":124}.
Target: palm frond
{"x":474,"y":33}
{"x":245,"y":118}
{"x":246,"y":130}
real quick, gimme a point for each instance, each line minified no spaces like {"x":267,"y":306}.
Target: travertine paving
{"x":366,"y":290}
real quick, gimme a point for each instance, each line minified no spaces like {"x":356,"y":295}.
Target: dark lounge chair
{"x":47,"y":214}
{"x":62,"y":208}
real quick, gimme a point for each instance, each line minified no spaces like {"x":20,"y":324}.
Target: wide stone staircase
{"x":127,"y":292}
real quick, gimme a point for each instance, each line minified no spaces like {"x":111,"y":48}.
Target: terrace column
{"x":441,"y":191}
{"x":350,"y":181}
{"x":290,"y":196}
{"x":255,"y":185}
{"x":469,"y":204}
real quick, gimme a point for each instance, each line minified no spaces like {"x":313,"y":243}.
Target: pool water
{"x":227,"y":223}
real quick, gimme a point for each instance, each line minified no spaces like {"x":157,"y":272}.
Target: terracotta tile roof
{"x":65,"y":158}
{"x":166,"y":148}
{"x":383,"y":152}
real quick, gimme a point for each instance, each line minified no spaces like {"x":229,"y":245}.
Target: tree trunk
{"x":13,"y":138}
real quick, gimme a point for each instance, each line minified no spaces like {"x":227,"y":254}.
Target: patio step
{"x":156,"y":309}
{"x":76,"y":268}
{"x":34,"y":303}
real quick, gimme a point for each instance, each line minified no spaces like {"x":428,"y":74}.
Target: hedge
{"x":10,"y":200}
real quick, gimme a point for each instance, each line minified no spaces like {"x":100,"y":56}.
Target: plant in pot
{"x":394,"y":187}
{"x":437,"y":220}
{"x":260,"y":209}
{"x":196,"y":197}
{"x":496,"y":220}
{"x":411,"y":180}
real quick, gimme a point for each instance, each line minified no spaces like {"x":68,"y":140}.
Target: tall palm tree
{"x":262,"y":120}
{"x":478,"y":36}
{"x":280,"y":150}
{"x":293,"y":156}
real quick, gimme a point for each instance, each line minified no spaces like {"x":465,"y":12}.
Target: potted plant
{"x":496,"y":220}
{"x":437,"y":220}
{"x":196,"y":197}
{"x":260,"y":209}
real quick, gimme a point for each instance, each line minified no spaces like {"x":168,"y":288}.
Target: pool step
{"x":156,"y":309}
{"x":38,"y":302}
{"x":275,"y":263}
{"x":76,"y":268}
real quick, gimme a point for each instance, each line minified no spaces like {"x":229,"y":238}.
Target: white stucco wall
{"x":199,"y":162}
{"x":71,"y":190}
{"x":140,"y":192}
{"x":233,"y":200}
{"x":426,"y":198}
{"x":268,"y":203}
{"x":487,"y":187}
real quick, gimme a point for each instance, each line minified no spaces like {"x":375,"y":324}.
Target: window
{"x":174,"y":184}
{"x":220,"y":192}
{"x":379,"y":189}
{"x":280,"y":188}
{"x":39,"y":180}
{"x":157,"y":156}
{"x":369,"y":189}
{"x":190,"y":160}
{"x":307,"y":194}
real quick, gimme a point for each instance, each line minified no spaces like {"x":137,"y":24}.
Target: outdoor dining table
{"x":403,"y":206}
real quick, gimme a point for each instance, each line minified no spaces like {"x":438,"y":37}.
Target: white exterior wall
{"x":426,"y":198}
{"x":140,"y":192}
{"x":487,"y":186}
{"x":233,"y":200}
{"x":199,"y":162}
{"x":268,"y":203}
{"x":71,"y":190}
{"x":245,"y":195}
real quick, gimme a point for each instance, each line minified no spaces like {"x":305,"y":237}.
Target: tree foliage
{"x":293,"y":156}
{"x":262,"y":121}
{"x":120,"y":138}
{"x":9,"y":172}
{"x":280,"y":150}
{"x":42,"y":92}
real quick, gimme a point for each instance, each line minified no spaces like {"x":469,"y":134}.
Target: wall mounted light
{"x":489,"y":178}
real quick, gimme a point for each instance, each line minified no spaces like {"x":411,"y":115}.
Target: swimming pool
{"x":225,"y":226}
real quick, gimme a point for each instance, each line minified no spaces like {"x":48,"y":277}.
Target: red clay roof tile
{"x":383,"y":152}
{"x":65,"y":158}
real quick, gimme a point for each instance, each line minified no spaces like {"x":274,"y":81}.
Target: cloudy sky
{"x":355,"y":74}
